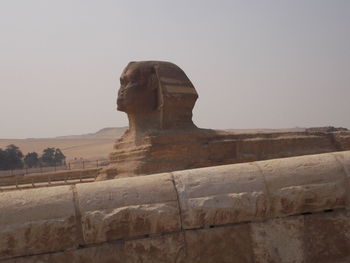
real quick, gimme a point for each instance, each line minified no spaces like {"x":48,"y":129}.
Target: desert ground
{"x":92,"y":146}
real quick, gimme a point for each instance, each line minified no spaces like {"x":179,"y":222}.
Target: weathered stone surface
{"x":272,"y":146}
{"x":304,"y":184}
{"x":164,"y":249}
{"x":169,"y":248}
{"x":221,"y":195}
{"x":279,"y":240}
{"x":37,"y":221}
{"x":126,"y":208}
{"x":327,"y":238}
{"x":231,"y":244}
{"x":342,"y":139}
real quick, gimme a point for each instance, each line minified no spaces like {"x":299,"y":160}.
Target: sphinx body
{"x":158,"y":99}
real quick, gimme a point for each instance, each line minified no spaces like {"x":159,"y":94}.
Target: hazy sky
{"x":255,"y":64}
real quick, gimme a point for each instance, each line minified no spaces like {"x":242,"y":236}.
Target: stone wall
{"x":47,"y":179}
{"x":282,"y":210}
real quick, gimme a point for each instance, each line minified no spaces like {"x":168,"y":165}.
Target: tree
{"x":48,"y":156}
{"x":12,"y":157}
{"x":59,"y":157}
{"x":52,"y":156}
{"x":31,"y":159}
{"x":2,"y":159}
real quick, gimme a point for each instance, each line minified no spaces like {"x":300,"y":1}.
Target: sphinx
{"x":159,"y":98}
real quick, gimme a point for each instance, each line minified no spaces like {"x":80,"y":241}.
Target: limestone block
{"x":304,"y":184}
{"x":278,"y":240}
{"x":128,"y":207}
{"x":37,"y":221}
{"x":221,"y":195}
{"x":168,"y":248}
{"x":327,"y":238}
{"x":344,"y":159}
{"x":229,"y":244}
{"x":163,"y":249}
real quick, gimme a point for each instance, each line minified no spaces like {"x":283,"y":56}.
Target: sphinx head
{"x":158,"y":93}
{"x":138,"y":89}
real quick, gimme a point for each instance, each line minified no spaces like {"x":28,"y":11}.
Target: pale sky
{"x":255,"y":64}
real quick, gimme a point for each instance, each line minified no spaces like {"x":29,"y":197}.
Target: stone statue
{"x":159,"y":98}
{"x":156,"y":96}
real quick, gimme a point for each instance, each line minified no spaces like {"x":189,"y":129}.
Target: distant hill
{"x":91,"y":146}
{"x":105,"y":133}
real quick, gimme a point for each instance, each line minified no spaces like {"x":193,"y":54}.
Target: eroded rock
{"x":37,"y":221}
{"x":237,"y":195}
{"x":128,"y":208}
{"x":304,"y":184}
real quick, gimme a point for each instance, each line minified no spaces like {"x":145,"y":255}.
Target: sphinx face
{"x":136,"y":93}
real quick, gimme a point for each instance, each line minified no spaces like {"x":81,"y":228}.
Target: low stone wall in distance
{"x":48,"y":179}
{"x":282,"y":210}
